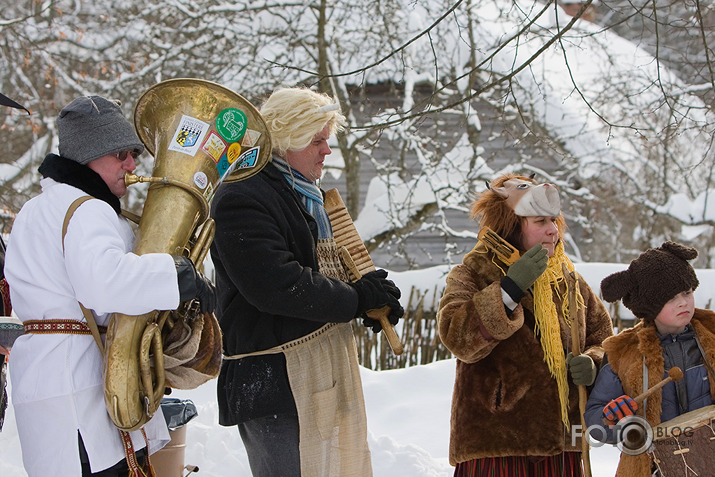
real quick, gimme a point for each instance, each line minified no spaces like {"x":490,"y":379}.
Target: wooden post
{"x":572,"y":280}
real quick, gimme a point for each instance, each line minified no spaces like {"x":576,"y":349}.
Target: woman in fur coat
{"x":658,"y":288}
{"x":514,"y":403}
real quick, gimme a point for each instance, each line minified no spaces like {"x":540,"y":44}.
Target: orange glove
{"x":620,"y":408}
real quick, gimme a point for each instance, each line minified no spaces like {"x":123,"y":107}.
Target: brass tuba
{"x":200,"y":135}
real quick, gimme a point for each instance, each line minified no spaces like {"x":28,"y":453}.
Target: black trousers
{"x":272,"y":445}
{"x":120,"y":469}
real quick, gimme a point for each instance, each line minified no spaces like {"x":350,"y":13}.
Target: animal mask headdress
{"x":503,"y":208}
{"x":528,"y":199}
{"x":652,"y":279}
{"x":511,"y":197}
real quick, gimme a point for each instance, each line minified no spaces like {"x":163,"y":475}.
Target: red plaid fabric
{"x":566,"y":464}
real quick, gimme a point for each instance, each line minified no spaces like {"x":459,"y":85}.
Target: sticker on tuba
{"x":246,"y":160}
{"x":250,"y":139}
{"x":231,"y":124}
{"x":188,"y":135}
{"x":201,"y":180}
{"x":214,"y":146}
{"x":234,"y":150}
{"x":209,"y":192}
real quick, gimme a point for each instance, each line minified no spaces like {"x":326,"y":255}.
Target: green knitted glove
{"x":529,"y":267}
{"x":582,"y":368}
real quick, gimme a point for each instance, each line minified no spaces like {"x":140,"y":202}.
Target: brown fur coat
{"x":625,"y":355}
{"x":505,"y":401}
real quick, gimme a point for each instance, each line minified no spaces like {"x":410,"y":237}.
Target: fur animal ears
{"x":680,"y":251}
{"x":489,"y":186}
{"x":616,"y":286}
{"x":653,"y":268}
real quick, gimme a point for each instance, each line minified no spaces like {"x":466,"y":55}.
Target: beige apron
{"x":325,"y":380}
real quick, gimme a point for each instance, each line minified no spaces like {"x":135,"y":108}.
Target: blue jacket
{"x":692,"y":351}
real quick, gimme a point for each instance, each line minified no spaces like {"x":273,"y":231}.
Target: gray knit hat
{"x":652,"y":279}
{"x":91,"y":127}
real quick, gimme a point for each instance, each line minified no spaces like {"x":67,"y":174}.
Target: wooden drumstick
{"x":571,"y":278}
{"x":674,"y":374}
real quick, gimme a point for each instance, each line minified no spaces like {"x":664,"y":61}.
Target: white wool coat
{"x":56,"y":379}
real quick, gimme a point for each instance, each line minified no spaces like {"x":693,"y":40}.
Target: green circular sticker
{"x":231,"y":124}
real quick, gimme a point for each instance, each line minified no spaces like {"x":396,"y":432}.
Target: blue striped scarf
{"x":309,"y":194}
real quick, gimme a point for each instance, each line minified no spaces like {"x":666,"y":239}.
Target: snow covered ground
{"x":408,"y":421}
{"x":407,"y":409}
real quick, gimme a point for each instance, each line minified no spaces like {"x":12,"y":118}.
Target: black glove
{"x":529,"y":267}
{"x":375,"y":291}
{"x":193,"y":284}
{"x":582,"y":369}
{"x":376,"y":326}
{"x":395,"y":312}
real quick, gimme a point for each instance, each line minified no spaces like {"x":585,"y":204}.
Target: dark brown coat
{"x":505,"y":401}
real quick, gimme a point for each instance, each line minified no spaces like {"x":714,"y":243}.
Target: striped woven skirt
{"x":567,"y":464}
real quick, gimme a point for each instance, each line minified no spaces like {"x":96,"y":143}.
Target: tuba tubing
{"x":178,"y":122}
{"x":151,"y":341}
{"x":130,"y":179}
{"x":128,"y":404}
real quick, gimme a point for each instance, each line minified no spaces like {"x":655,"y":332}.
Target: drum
{"x":685,"y":445}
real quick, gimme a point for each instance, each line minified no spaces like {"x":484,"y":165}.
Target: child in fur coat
{"x":658,"y":288}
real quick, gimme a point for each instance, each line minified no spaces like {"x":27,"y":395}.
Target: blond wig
{"x":295,"y":115}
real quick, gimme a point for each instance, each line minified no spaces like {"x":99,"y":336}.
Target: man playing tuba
{"x":56,"y":367}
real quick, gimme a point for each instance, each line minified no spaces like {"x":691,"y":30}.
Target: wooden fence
{"x":418,"y":332}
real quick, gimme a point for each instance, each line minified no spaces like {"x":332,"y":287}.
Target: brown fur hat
{"x":493,"y":212}
{"x":652,"y":279}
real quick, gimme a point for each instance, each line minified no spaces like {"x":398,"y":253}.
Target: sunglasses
{"x":122,"y":156}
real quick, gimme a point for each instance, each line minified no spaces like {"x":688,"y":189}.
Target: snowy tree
{"x":678,"y":33}
{"x":622,"y":129}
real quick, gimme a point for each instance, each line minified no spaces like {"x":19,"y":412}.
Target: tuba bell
{"x":200,"y":134}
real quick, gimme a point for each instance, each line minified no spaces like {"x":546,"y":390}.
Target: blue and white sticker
{"x":188,"y":135}
{"x":246,"y":160}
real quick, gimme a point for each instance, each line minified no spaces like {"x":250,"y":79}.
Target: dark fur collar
{"x":77,"y":175}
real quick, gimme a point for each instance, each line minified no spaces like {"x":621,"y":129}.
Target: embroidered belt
{"x":72,"y":327}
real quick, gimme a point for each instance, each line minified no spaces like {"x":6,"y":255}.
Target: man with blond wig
{"x":290,"y":379}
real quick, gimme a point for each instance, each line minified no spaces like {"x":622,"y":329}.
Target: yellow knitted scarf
{"x":547,"y":321}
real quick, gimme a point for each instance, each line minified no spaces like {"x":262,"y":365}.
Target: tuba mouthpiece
{"x":130,"y":179}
